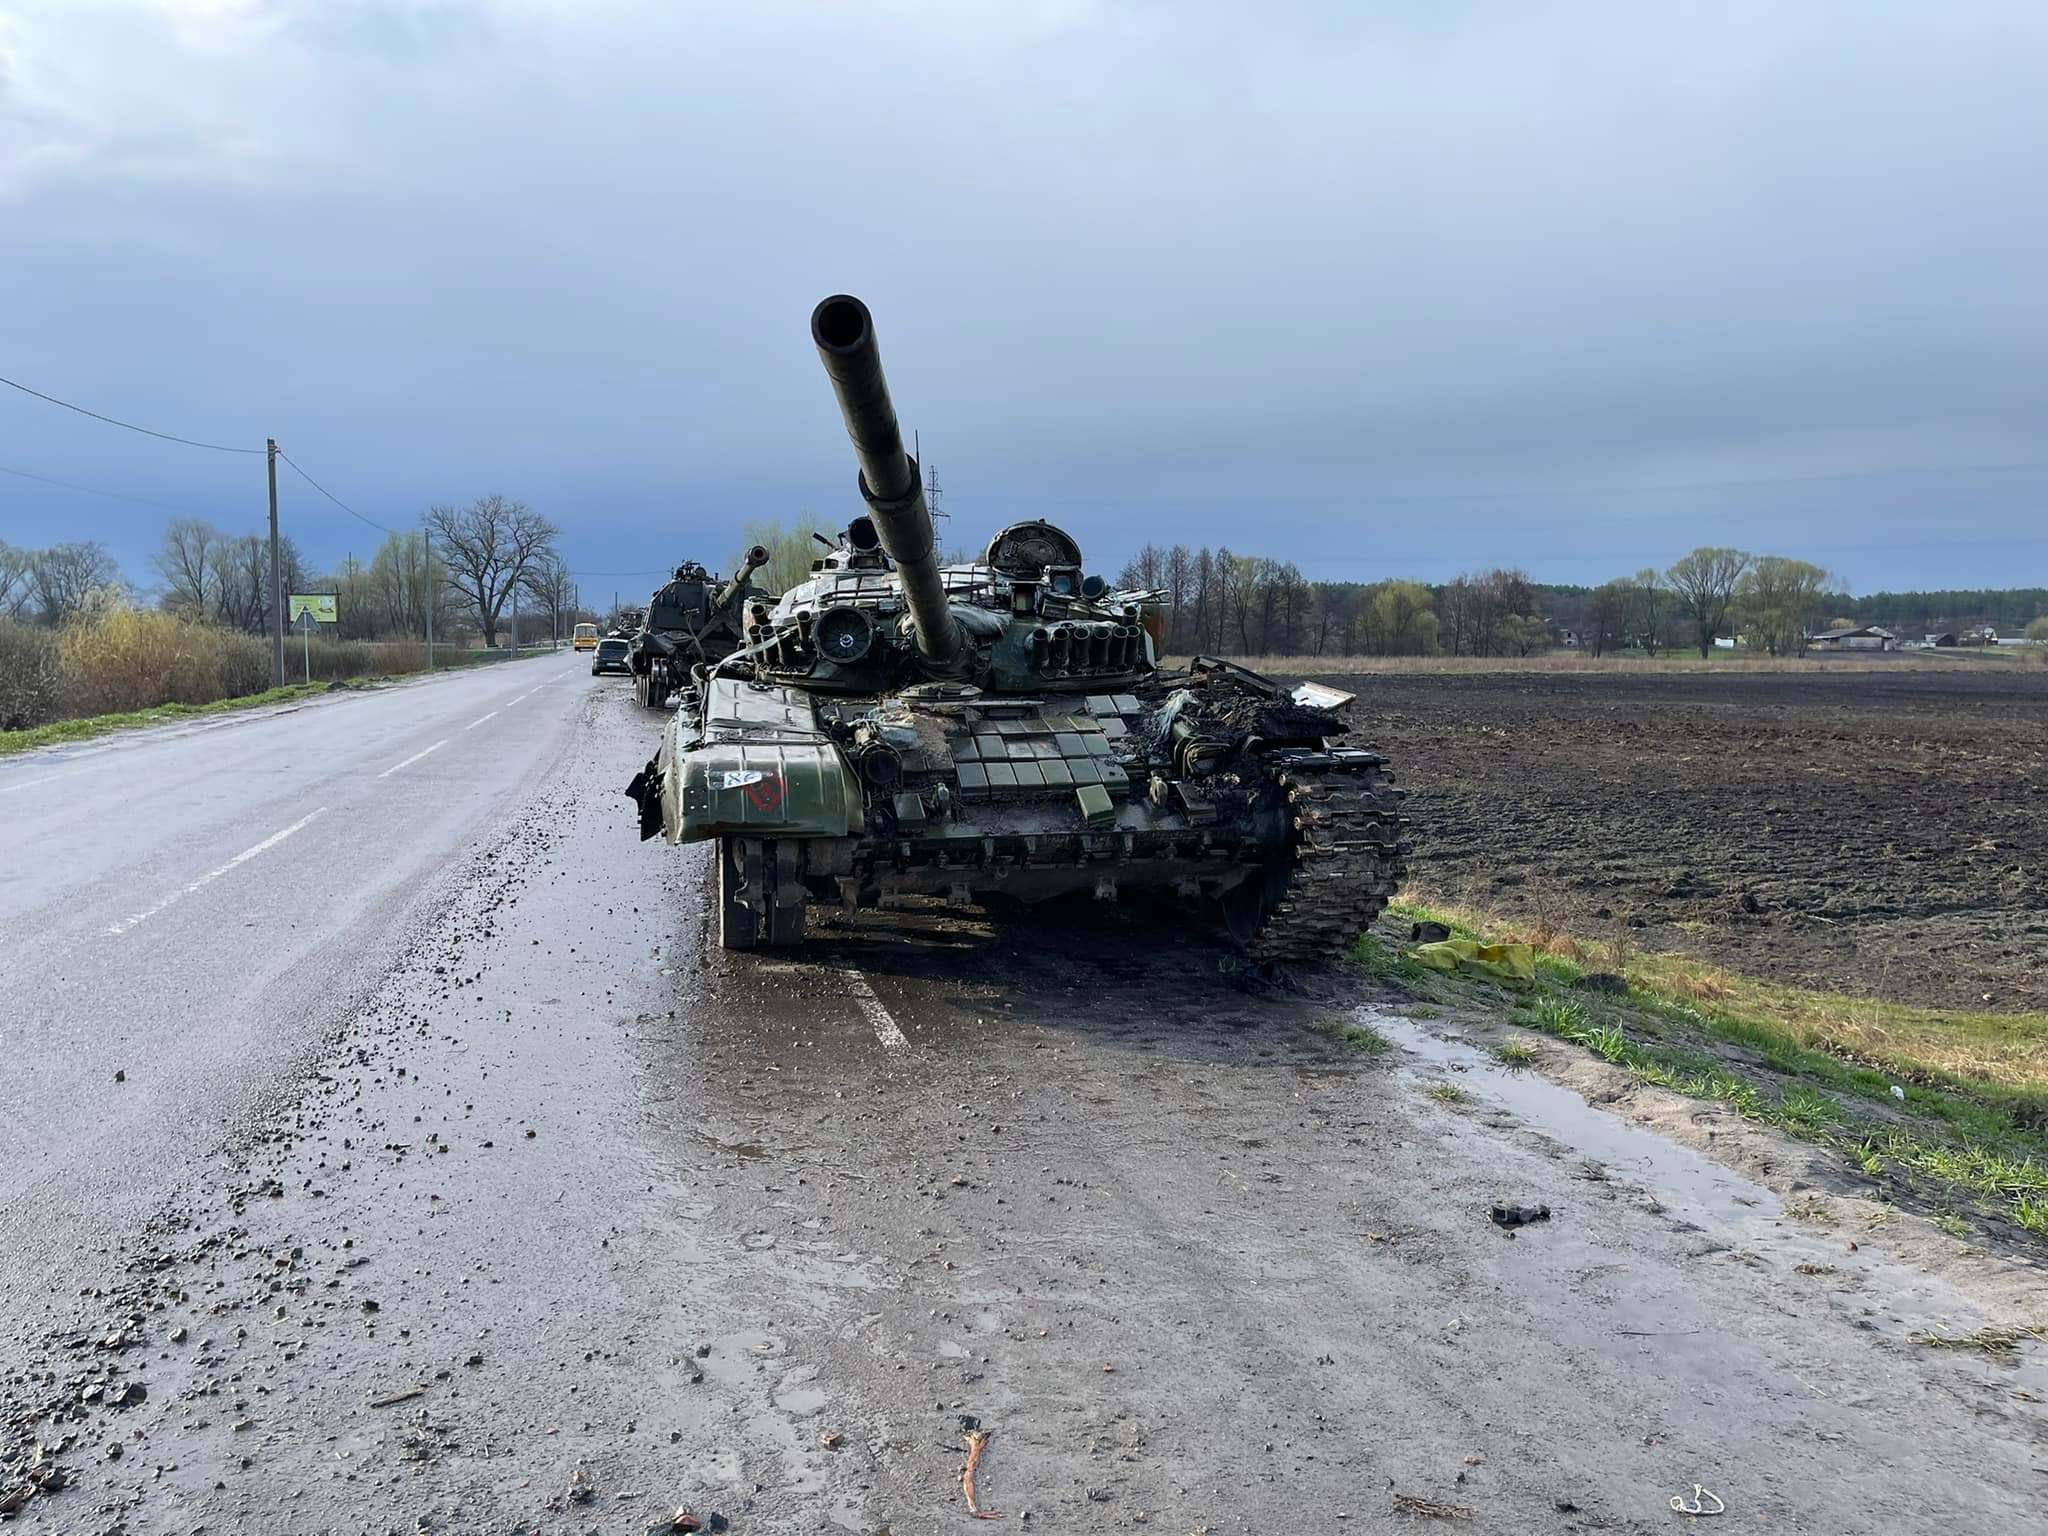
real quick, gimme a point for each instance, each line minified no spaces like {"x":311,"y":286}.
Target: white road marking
{"x":48,"y":778}
{"x":475,"y":723}
{"x":214,"y":874}
{"x":886,"y":1029}
{"x":437,"y":746}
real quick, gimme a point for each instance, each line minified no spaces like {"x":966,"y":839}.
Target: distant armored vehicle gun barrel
{"x":845,"y":336}
{"x":756,"y":558}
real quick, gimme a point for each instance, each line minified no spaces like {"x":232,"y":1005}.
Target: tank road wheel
{"x":786,"y":892}
{"x":1339,"y":866}
{"x":761,"y":893}
{"x":736,"y":924}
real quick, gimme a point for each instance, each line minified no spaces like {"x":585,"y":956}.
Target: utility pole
{"x":427,"y":585}
{"x":515,"y":618}
{"x":276,"y":577}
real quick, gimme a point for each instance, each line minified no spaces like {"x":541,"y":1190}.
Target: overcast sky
{"x":1393,"y":288}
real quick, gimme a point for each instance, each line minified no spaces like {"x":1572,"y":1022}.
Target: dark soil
{"x":1877,"y":833}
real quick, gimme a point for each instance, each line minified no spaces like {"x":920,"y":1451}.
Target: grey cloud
{"x":1587,"y":283}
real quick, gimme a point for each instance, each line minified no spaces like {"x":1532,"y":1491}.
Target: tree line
{"x":468,"y":565}
{"x":1220,"y":601}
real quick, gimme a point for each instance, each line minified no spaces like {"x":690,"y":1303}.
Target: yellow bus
{"x":585,"y":638}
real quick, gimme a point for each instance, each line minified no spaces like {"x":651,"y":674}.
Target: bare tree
{"x":488,"y":548}
{"x":400,"y":587}
{"x":1144,"y":572}
{"x":241,"y":572}
{"x":1605,"y":621}
{"x":1455,"y":605}
{"x":1705,"y":582}
{"x":553,"y":590}
{"x":1644,"y":623}
{"x":17,"y":580}
{"x":187,"y":566}
{"x":66,"y":576}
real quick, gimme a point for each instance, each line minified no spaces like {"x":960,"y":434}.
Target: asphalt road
{"x":457,"y":1182}
{"x":190,"y":906}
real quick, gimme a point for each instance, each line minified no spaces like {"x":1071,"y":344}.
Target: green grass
{"x":60,"y":731}
{"x":1447,"y":1093}
{"x":1514,"y":1053}
{"x":1970,"y":1116}
{"x":2000,"y":1059}
{"x":1985,"y":1341}
{"x":1360,"y":1037}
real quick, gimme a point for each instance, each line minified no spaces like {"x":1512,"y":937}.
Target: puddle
{"x":1686,"y":1183}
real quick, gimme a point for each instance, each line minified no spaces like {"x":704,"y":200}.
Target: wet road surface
{"x":538,"y":1212}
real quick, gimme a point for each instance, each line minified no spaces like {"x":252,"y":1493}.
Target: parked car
{"x":611,"y":656}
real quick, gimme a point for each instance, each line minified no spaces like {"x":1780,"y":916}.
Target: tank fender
{"x":771,"y":789}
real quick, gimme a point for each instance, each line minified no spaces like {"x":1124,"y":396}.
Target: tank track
{"x":1346,"y":830}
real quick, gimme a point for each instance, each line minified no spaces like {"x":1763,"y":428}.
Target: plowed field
{"x":1874,"y":832}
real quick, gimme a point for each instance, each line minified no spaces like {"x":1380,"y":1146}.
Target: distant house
{"x":1943,"y":640}
{"x":1864,"y":637}
{"x":1981,"y":634}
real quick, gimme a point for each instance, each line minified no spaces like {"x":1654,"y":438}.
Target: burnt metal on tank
{"x":692,"y":620}
{"x":893,"y":728}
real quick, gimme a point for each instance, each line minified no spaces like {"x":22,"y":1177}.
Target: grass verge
{"x":60,"y":732}
{"x":1909,"y":1095}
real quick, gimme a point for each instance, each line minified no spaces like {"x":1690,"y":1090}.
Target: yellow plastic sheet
{"x":1512,"y":965}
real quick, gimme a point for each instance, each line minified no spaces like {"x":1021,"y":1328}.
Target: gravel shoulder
{"x":576,"y":1220}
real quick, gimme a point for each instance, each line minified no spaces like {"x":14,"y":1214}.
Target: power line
{"x":351,"y":511}
{"x":113,"y":422}
{"x":141,"y":501}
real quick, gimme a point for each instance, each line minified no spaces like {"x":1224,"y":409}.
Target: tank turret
{"x":889,"y":481}
{"x":1003,"y":730}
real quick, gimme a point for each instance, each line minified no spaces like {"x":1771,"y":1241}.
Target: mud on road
{"x":577,"y":1220}
{"x":1885,"y":826}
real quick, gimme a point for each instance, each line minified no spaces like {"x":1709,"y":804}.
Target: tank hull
{"x":1289,"y":852}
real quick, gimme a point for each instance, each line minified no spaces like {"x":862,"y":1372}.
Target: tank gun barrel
{"x":889,"y":482}
{"x":756,"y":558}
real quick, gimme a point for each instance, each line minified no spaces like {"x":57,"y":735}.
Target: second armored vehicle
{"x":1004,"y":729}
{"x":692,"y":620}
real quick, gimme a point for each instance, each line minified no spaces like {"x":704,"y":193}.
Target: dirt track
{"x":1885,"y":825}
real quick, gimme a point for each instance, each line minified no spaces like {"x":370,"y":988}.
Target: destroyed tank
{"x":892,"y":729}
{"x":691,"y":620}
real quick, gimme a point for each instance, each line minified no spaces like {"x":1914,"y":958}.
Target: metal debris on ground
{"x":977,"y":1442}
{"x":1697,"y":1504}
{"x":1430,"y":1508}
{"x":398,"y":1397}
{"x":1519,"y":1215}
